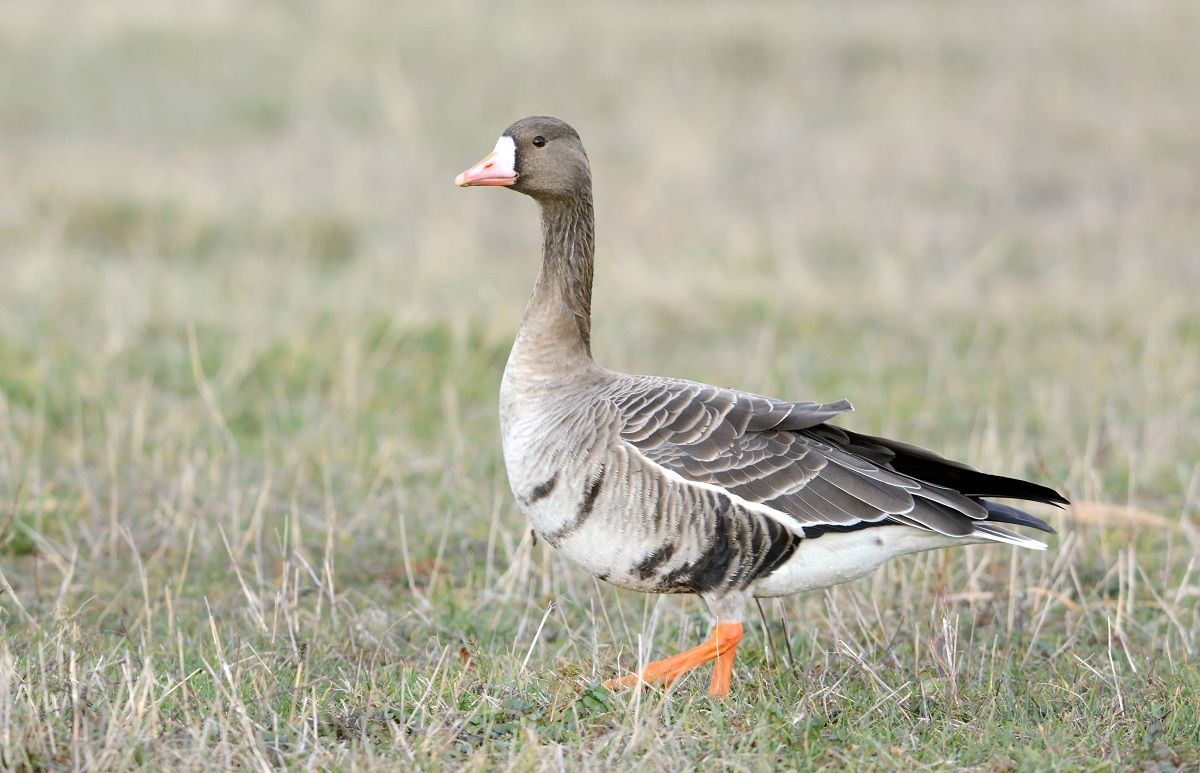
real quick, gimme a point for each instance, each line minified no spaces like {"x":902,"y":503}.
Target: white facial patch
{"x":505,"y":154}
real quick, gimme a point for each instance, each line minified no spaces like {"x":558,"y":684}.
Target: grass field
{"x":252,"y":506}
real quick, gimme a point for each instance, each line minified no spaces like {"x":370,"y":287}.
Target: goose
{"x":662,"y":485}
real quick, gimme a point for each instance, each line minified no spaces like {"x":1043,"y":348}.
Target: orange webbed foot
{"x":721,"y":647}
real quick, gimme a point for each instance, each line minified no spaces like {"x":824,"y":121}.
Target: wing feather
{"x":786,"y":457}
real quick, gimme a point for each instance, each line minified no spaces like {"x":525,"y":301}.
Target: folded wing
{"x":813,"y":476}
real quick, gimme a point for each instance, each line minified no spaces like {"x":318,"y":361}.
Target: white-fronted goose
{"x":669,"y":486}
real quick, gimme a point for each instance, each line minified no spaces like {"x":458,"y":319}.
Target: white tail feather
{"x":997,"y":534}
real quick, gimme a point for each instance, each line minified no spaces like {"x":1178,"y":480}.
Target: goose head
{"x":539,"y":156}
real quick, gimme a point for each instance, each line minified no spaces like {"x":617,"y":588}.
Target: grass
{"x":252,"y":509}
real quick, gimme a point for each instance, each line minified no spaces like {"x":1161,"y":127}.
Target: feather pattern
{"x":786,"y":457}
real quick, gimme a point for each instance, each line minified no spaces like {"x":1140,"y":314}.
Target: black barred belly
{"x":700,"y":541}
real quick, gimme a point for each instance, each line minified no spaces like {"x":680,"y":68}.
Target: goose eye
{"x":539,"y":141}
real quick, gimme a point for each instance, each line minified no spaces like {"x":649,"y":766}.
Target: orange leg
{"x":721,"y":646}
{"x":726,"y":644}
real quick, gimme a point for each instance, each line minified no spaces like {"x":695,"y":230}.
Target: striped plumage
{"x":668,"y":486}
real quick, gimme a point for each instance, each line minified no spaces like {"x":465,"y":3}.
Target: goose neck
{"x":558,"y":320}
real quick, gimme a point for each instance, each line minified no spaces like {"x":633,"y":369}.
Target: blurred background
{"x":868,"y":188}
{"x":246,"y":317}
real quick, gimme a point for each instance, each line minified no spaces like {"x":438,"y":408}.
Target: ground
{"x":252,"y":507}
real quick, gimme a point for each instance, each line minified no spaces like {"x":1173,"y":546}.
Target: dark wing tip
{"x":1006,"y":514}
{"x":1046,"y":495}
{"x":977,"y":484}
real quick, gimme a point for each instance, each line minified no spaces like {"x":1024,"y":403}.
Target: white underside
{"x":836,"y":558}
